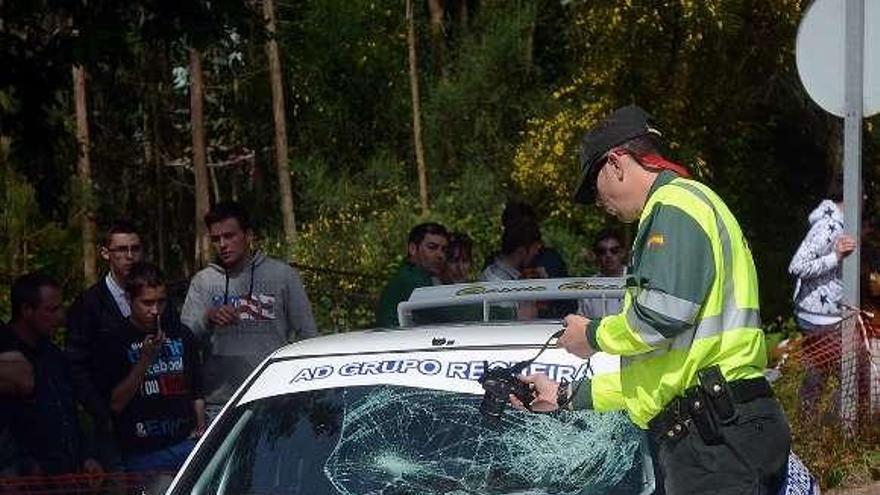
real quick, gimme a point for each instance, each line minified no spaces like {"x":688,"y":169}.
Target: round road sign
{"x":820,"y":55}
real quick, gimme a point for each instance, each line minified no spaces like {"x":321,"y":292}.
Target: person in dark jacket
{"x":16,"y":382}
{"x":44,"y":423}
{"x":150,"y":377}
{"x":99,"y":310}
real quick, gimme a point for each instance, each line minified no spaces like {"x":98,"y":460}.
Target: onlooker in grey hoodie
{"x":246,"y":303}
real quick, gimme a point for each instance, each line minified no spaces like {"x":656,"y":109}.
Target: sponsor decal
{"x":462,"y":370}
{"x":482,"y":289}
{"x":588,"y":286}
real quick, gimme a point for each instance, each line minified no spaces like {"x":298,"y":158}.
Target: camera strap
{"x":518,"y":367}
{"x":566,"y":394}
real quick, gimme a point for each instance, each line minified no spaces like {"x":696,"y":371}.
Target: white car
{"x":399,"y":412}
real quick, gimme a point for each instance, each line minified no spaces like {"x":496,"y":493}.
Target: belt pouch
{"x":703,"y":417}
{"x":716,"y":389}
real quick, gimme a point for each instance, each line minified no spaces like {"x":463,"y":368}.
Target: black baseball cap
{"x":624,"y":124}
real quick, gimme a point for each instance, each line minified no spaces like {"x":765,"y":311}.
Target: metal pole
{"x":852,"y":195}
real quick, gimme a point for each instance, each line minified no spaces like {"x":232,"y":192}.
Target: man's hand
{"x":574,"y":340}
{"x":844,"y":246}
{"x":222,"y":316}
{"x":152,"y":346}
{"x":546,"y":391}
{"x":201,"y":422}
{"x":16,"y":374}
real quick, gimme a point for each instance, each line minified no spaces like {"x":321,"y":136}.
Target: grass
{"x":835,"y":457}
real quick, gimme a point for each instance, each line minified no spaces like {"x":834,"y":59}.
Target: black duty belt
{"x":708,"y":406}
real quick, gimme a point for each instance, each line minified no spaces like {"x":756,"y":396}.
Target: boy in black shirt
{"x":150,"y":367}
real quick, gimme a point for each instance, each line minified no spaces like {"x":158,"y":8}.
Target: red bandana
{"x":658,"y":162}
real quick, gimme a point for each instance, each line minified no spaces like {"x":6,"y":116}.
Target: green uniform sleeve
{"x":674,"y":269}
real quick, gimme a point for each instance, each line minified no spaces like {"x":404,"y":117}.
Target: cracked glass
{"x":400,"y":440}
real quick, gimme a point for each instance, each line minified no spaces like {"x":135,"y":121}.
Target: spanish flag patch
{"x":655,"y":240}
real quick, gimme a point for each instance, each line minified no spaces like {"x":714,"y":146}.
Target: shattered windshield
{"x":401,"y":440}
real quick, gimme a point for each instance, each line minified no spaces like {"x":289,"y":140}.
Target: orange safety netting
{"x":88,"y":484}
{"x":845,"y":361}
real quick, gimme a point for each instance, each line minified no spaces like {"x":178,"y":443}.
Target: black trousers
{"x":751,"y":460}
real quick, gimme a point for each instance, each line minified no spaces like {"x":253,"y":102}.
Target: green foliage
{"x":348,"y":87}
{"x":356,"y":236}
{"x":27,"y":241}
{"x":474,"y":113}
{"x":503,"y":106}
{"x":730,"y":107}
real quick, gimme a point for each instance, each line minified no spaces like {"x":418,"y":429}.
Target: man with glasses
{"x":100,"y":310}
{"x":689,"y":333}
{"x":610,"y":254}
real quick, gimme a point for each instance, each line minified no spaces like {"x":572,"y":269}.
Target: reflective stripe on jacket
{"x":691,"y":302}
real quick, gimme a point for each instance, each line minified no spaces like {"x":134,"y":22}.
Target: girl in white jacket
{"x":818,"y":294}
{"x":817,"y":266}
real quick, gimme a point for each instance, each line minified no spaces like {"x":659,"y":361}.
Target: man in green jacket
{"x":426,"y":258}
{"x":689,"y":332}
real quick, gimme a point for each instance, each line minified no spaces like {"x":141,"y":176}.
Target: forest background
{"x":176,"y":112}
{"x":341,"y":124}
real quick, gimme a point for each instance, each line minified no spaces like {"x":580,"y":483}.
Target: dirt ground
{"x":872,"y":489}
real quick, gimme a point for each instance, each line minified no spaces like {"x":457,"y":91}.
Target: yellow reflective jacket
{"x":691,"y":302}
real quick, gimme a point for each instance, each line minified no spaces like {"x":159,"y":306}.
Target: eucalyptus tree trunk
{"x":281,"y":154}
{"x":437,"y":12}
{"x":200,"y":165}
{"x":84,"y":173}
{"x":463,"y":15}
{"x":416,"y":111}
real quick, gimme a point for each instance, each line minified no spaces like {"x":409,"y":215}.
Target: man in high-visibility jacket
{"x":689,"y":333}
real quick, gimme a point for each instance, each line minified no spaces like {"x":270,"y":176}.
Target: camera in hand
{"x":499,"y":383}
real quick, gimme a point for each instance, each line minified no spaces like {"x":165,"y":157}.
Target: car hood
{"x":461,"y":336}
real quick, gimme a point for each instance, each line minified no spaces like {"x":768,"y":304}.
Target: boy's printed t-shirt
{"x":161,"y":412}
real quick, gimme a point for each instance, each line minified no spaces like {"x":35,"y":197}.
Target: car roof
{"x":485,"y":293}
{"x":448,"y":336}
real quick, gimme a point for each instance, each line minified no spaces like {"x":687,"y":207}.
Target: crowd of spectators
{"x":436,"y":256}
{"x":136,"y":383}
